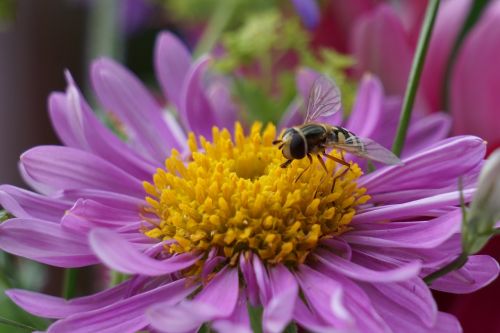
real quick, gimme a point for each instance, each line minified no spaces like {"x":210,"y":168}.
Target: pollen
{"x":231,"y":196}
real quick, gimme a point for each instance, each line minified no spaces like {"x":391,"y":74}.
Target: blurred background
{"x":266,"y":41}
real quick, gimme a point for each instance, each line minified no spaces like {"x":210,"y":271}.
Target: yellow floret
{"x":232,"y":194}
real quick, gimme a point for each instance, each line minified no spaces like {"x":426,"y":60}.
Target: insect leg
{"x":275,"y":142}
{"x":337,"y":177}
{"x":338,"y":160}
{"x":310,"y":162}
{"x":286,"y":164}
{"x":322,"y":163}
{"x":341,"y":161}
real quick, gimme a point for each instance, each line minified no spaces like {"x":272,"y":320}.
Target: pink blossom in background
{"x":382,"y":37}
{"x":475,"y":81}
{"x":473,"y":99}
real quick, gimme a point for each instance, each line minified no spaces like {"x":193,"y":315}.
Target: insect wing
{"x":324,"y":99}
{"x":369,"y":149}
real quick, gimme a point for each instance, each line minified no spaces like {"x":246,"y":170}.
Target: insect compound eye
{"x":288,"y":133}
{"x":297,"y":146}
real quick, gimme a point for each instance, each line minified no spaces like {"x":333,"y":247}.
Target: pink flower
{"x":206,"y":234}
{"x":475,"y":80}
{"x":384,"y":45}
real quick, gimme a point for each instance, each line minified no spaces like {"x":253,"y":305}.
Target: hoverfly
{"x":314,"y":138}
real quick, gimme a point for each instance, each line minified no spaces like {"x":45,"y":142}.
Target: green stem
{"x":462,"y":200}
{"x":104,"y":35}
{"x":218,"y":22}
{"x":475,"y":11}
{"x":69,"y":287}
{"x":452,"y":266}
{"x":6,"y":268}
{"x":12,"y":323}
{"x":415,"y":73}
{"x":255,"y":314}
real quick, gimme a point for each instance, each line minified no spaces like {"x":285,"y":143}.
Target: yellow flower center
{"x":233,"y":195}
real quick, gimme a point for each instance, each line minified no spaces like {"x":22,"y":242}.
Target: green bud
{"x":478,"y":225}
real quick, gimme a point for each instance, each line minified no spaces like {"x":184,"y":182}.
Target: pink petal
{"x":292,"y":116}
{"x":58,"y":104}
{"x":475,"y":73}
{"x":310,"y":320}
{"x":449,"y":21}
{"x":26,"y":204}
{"x":196,"y":111}
{"x":412,"y":208}
{"x":247,"y":271}
{"x":366,"y":115}
{"x":304,"y":79}
{"x":45,"y":242}
{"x":238,"y":322}
{"x":122,"y":256}
{"x":479,"y":271}
{"x":426,"y":131}
{"x":127,"y":315}
{"x":216,"y":300}
{"x":436,"y":167}
{"x":172,"y":61}
{"x":123,"y":94}
{"x":447,"y":323}
{"x":413,"y":295}
{"x":381,"y":46}
{"x":109,"y":198}
{"x":78,"y":127}
{"x":421,"y":234}
{"x":355,"y":300}
{"x":70,"y":168}
{"x":55,"y":307}
{"x":218,"y":93}
{"x":361,"y":273}
{"x":278,"y":311}
{"x":88,"y":214}
{"x":262,"y":279}
{"x":401,"y":319}
{"x":320,"y":291}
